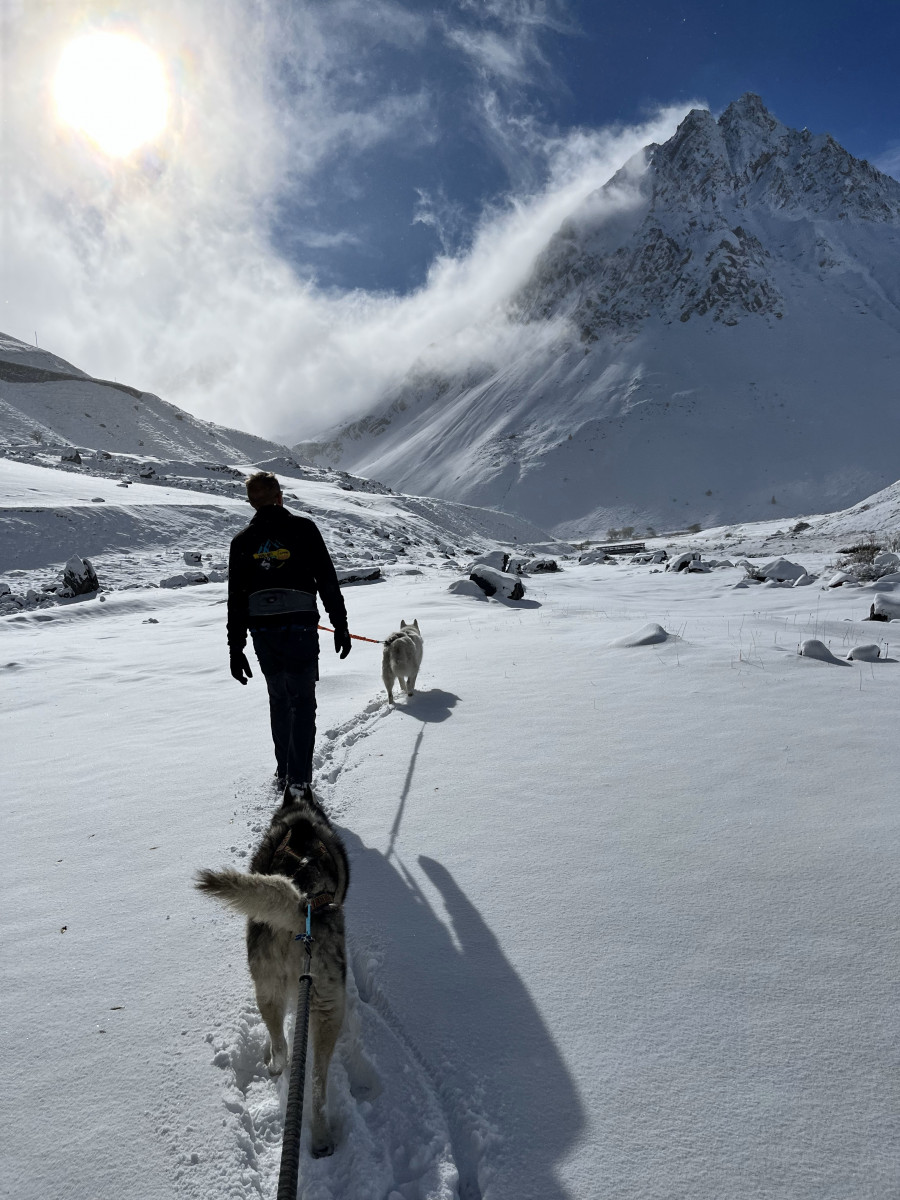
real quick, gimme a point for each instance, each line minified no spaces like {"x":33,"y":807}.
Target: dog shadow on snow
{"x":431,"y":706}
{"x":511,"y":1105}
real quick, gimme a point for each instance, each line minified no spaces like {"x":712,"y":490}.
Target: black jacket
{"x":279,"y":550}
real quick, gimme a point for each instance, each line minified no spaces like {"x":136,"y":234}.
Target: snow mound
{"x":782,"y":570}
{"x":466,"y":587}
{"x":813,"y":648}
{"x":869,"y":653}
{"x":884,"y":608}
{"x":498,"y":583}
{"x":647,"y":635}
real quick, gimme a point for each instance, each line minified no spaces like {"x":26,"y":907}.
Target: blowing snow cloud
{"x":188,"y":267}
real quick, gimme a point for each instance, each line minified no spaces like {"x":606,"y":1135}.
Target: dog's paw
{"x":275,"y":1060}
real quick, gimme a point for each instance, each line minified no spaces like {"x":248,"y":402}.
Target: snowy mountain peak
{"x":748,"y":157}
{"x":701,"y":327}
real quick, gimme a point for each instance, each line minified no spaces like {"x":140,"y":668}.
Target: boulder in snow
{"x":886,"y":558}
{"x":592,"y":557}
{"x":358,"y":574}
{"x":782,"y":570}
{"x":498,"y":559}
{"x":869,"y":653}
{"x":813,"y":648}
{"x":79,"y":576}
{"x":192,"y":558}
{"x":684,"y":562}
{"x":497,"y":583}
{"x":70,"y":456}
{"x":840,"y":578}
{"x":466,"y":587}
{"x":884,"y":608}
{"x":187,"y":579}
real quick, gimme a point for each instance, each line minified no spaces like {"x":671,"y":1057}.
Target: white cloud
{"x":161,"y":272}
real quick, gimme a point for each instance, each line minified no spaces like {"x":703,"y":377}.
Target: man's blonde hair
{"x":263,"y":488}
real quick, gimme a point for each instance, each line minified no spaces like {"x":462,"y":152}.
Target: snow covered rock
{"x":498,"y":559}
{"x":592,"y":557}
{"x":493,"y":582}
{"x":684,"y":562}
{"x":840,"y":578}
{"x":79,"y":576}
{"x":187,"y":579}
{"x":70,"y":456}
{"x":886,"y":558}
{"x":648,"y":635}
{"x":813,"y":648}
{"x":466,"y":587}
{"x":358,"y":574}
{"x":868,"y":653}
{"x":5,"y":589}
{"x":884,"y":608}
{"x":532,"y":566}
{"x":782,"y":570}
{"x":805,"y":580}
{"x":192,"y":558}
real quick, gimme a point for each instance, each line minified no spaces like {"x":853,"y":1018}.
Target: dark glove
{"x":240,"y":667}
{"x":342,"y":643}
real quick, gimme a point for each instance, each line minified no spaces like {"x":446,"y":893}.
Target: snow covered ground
{"x":622,"y":917}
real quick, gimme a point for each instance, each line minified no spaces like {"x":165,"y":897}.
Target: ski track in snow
{"x":398,"y":1133}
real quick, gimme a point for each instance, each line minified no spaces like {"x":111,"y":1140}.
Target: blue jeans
{"x":289,"y":659}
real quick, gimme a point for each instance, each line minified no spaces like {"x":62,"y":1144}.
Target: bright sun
{"x":113,"y":88}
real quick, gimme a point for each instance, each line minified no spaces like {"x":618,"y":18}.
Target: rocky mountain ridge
{"x":716,"y":333}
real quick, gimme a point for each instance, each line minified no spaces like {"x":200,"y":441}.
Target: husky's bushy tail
{"x":272,"y":899}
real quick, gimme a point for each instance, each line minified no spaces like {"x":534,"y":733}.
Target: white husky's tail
{"x":271,"y":899}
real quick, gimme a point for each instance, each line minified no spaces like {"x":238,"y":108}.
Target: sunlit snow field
{"x":622,"y":918}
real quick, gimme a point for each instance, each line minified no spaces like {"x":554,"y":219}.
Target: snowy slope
{"x":713,"y":336}
{"x":45,"y":401}
{"x":148,"y":482}
{"x":620,"y":918}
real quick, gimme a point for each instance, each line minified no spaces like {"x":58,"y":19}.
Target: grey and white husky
{"x":401,"y":659}
{"x":300,"y":859}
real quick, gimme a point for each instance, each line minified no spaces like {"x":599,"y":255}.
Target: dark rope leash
{"x":293,"y":1117}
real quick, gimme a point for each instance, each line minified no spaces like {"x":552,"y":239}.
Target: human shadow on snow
{"x":468,"y":1018}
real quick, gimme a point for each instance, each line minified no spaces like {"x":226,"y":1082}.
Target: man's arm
{"x":329,"y":589}
{"x":237,"y":618}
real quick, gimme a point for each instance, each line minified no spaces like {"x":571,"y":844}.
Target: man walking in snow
{"x":275,"y":568}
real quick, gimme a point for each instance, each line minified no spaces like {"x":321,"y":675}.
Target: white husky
{"x":401,"y":659}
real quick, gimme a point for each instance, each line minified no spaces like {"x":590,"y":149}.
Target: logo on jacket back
{"x":271,"y":555}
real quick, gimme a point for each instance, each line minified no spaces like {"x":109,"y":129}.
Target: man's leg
{"x":301,"y":691}
{"x":289,"y":661}
{"x":280,"y":718}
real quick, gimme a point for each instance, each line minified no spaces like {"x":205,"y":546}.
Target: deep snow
{"x":621,"y":916}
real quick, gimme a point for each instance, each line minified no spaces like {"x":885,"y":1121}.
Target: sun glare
{"x":113,"y":88}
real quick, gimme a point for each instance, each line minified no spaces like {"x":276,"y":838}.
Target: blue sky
{"x":480,"y":74}
{"x":346,"y":190}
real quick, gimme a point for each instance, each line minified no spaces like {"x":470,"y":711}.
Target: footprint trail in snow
{"x":394,"y":1141}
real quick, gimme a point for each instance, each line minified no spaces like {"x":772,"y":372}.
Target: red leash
{"x":356,"y":636}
